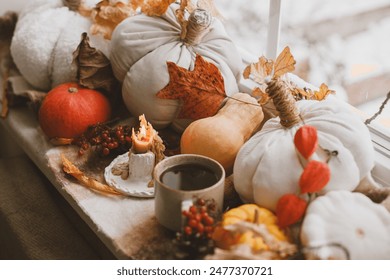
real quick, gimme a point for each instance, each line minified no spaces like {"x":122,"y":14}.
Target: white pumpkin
{"x":268,"y":165}
{"x":141,"y":46}
{"x":343,"y":225}
{"x":46,"y":35}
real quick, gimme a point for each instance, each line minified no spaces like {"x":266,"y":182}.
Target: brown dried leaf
{"x":309,"y":94}
{"x":72,"y":170}
{"x":260,"y":95}
{"x":106,"y":15}
{"x":94,"y":68}
{"x":284,"y":63}
{"x":259,"y":70}
{"x":7,"y":25}
{"x":201,"y":90}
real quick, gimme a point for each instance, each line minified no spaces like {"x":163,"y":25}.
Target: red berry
{"x":208,"y":229}
{"x":106,"y":151}
{"x":208,"y":221}
{"x":193,"y":209}
{"x":203,"y":209}
{"x":193,"y":223}
{"x":188,"y":230}
{"x":200,"y":228}
{"x":185,"y":213}
{"x":201,"y":202}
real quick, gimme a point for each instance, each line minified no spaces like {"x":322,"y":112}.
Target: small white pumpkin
{"x":142,"y":45}
{"x":268,"y":165}
{"x":46,"y":35}
{"x":343,"y":225}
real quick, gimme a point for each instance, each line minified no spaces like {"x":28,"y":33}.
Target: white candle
{"x":274,"y":19}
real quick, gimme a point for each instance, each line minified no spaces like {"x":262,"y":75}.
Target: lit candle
{"x":143,"y":139}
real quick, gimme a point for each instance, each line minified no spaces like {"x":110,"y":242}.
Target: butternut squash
{"x":221,"y":136}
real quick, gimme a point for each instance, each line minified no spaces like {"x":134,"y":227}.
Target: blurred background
{"x":343,"y":43}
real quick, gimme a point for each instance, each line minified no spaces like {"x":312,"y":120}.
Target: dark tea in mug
{"x":189,"y":177}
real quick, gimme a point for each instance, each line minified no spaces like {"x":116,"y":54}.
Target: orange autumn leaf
{"x":306,"y":140}
{"x":315,"y":176}
{"x":152,"y":7}
{"x":202,"y":90}
{"x":309,"y":94}
{"x":261,"y":96}
{"x":290,"y":209}
{"x":323,"y":92}
{"x":284,"y":63}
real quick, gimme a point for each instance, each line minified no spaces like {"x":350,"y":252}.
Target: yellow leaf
{"x":284,"y":63}
{"x":323,"y":92}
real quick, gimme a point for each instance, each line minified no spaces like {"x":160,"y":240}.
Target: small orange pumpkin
{"x":69,"y":109}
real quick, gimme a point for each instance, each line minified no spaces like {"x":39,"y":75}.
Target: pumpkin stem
{"x":197,"y":26}
{"x":72,"y":90}
{"x":284,"y":102}
{"x":73,"y":5}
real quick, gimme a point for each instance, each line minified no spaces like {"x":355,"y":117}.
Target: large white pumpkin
{"x":268,"y":165}
{"x":141,"y":47}
{"x":46,"y":35}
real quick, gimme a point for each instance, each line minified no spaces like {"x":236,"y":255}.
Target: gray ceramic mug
{"x":169,"y":202}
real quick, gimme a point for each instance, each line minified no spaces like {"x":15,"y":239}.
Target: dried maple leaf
{"x":259,"y":70}
{"x":323,"y":92}
{"x":202,"y":90}
{"x":106,"y":15}
{"x":94,"y":68}
{"x":284,"y":63}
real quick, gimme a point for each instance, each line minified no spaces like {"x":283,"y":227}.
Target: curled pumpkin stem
{"x":284,"y":102}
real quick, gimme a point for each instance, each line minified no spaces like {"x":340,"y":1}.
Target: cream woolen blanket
{"x":46,"y":35}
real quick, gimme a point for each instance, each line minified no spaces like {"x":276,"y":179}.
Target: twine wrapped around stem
{"x":198,"y":24}
{"x":284,"y":102}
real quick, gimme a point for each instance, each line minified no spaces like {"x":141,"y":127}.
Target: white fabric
{"x":142,"y":45}
{"x":267,"y":166}
{"x":352,"y":220}
{"x":46,"y":35}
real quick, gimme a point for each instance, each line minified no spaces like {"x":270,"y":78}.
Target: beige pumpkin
{"x":142,"y":45}
{"x":346,"y":225}
{"x":222,"y":135}
{"x":268,"y":165}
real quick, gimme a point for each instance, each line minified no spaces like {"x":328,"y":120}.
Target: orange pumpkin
{"x":69,"y":109}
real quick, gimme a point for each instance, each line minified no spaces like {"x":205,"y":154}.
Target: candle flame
{"x":142,"y":140}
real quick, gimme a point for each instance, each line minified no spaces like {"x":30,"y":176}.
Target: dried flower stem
{"x":368,"y":121}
